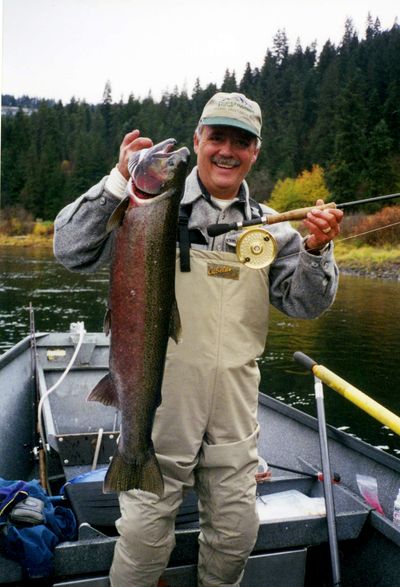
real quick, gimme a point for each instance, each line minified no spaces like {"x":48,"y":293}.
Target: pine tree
{"x":379,"y":176}
{"x":346,"y":171}
{"x":229,"y":83}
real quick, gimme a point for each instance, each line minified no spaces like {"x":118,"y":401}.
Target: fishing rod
{"x":297,"y":214}
{"x":319,"y":476}
{"x":256,"y":247}
{"x":40,"y":449}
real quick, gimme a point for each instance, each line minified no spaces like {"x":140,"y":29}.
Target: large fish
{"x":142,"y":311}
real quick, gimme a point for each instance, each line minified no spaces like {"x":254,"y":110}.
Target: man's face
{"x":225,"y":156}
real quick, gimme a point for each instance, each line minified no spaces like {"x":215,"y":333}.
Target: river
{"x":358,"y":338}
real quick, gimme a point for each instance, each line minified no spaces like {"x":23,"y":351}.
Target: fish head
{"x":153,"y":172}
{"x":157,"y":169}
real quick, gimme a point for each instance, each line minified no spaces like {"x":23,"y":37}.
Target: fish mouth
{"x":153,"y":169}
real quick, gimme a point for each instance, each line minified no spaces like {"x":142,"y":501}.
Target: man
{"x":205,"y":431}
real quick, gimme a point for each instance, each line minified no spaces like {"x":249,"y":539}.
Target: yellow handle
{"x":358,"y":398}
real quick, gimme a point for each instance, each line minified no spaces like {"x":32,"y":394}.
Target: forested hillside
{"x":339,"y":109}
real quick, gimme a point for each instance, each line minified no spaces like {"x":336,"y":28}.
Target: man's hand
{"x":132,"y":142}
{"x":323,"y":226}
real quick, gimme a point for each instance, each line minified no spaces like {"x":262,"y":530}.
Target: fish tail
{"x":144,"y":474}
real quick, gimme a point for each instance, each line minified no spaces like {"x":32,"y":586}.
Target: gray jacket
{"x":301,"y":284}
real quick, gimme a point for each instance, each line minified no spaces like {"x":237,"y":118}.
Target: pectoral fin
{"x":117,"y":216}
{"x":175,"y":326}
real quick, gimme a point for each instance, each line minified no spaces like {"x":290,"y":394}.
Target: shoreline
{"x":384,"y":272}
{"x":370,"y":265}
{"x":26,"y":240}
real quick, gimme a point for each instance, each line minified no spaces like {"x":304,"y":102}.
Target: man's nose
{"x":226,"y":147}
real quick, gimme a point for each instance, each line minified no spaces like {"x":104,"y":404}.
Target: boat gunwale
{"x":351,"y":442}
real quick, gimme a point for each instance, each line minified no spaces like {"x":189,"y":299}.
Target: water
{"x":358,"y":338}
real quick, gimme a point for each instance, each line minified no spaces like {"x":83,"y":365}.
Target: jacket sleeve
{"x":301,"y":284}
{"x":81,"y":242}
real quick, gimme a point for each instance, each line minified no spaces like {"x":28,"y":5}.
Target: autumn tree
{"x":302,"y":191}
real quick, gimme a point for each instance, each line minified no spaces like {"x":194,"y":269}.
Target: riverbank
{"x":26,"y":240}
{"x":366,"y":261}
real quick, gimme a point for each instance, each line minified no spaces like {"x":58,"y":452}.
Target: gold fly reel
{"x":256,"y":248}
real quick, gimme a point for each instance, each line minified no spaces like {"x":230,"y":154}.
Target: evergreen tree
{"x":379,"y":175}
{"x":229,"y":83}
{"x":347,"y":167}
{"x":247,"y":83}
{"x":323,"y":132}
{"x":15,"y":138}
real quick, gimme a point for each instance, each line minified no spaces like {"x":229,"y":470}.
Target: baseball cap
{"x":233,"y":109}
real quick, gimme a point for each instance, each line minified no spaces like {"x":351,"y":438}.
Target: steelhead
{"x":142,"y":311}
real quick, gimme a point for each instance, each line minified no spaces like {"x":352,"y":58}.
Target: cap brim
{"x":224,"y":121}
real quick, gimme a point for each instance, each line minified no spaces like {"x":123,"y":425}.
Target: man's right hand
{"x":132,"y":142}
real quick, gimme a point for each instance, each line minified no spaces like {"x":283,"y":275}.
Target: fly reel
{"x":256,"y":248}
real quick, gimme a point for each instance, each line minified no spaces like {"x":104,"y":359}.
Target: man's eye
{"x":242,"y":143}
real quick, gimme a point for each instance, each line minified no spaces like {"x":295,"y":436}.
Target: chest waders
{"x":205,"y":431}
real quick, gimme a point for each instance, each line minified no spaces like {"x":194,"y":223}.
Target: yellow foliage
{"x":66,"y":166}
{"x":43,"y":229}
{"x":308,"y":187}
{"x":16,"y":226}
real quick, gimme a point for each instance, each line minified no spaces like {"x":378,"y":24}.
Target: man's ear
{"x":255,"y":155}
{"x":195,"y":143}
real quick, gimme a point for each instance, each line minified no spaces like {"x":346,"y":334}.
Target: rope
{"x":58,"y":382}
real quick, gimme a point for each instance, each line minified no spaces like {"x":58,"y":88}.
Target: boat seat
{"x":101,"y":510}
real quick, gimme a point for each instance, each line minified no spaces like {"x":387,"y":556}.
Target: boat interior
{"x":80,"y":437}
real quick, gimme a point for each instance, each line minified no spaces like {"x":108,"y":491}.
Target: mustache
{"x":230,"y":161}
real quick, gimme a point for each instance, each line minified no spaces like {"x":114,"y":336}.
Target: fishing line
{"x":340,"y":240}
{"x":367,"y":231}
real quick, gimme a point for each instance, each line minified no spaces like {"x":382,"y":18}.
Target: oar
{"x":326,"y":469}
{"x":298,"y":214}
{"x":351,"y":393}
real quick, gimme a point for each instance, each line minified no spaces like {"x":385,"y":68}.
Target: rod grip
{"x":304,"y":360}
{"x":298,"y":214}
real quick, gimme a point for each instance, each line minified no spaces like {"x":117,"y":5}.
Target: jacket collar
{"x":194,"y":190}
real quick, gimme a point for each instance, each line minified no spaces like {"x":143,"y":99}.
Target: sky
{"x":61,"y":49}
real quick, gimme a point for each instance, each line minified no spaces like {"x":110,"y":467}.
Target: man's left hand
{"x":323,"y":226}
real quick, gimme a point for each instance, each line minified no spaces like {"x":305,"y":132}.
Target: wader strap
{"x":184,"y":243}
{"x":183,"y":237}
{"x":255,"y":207}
